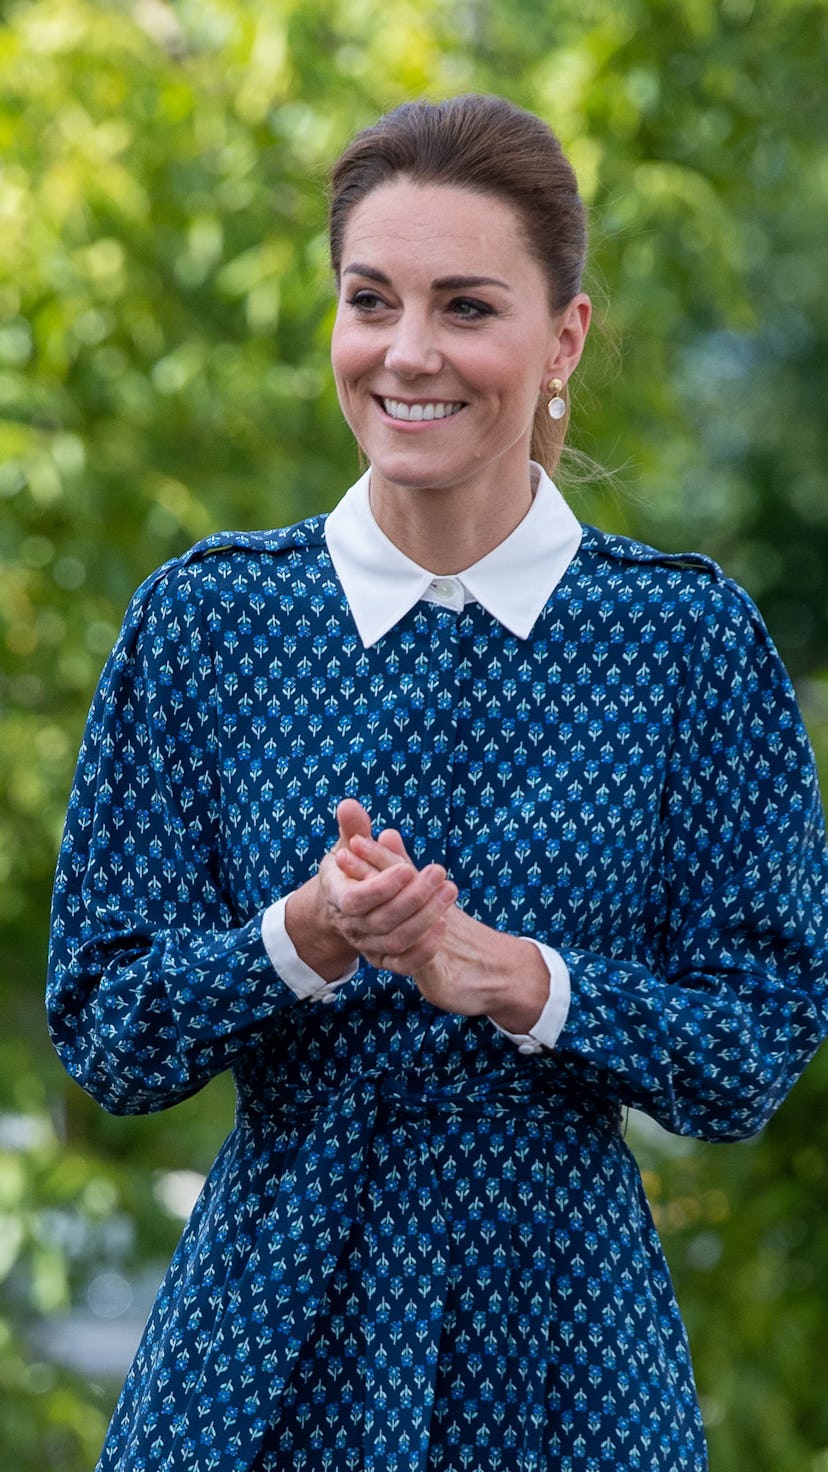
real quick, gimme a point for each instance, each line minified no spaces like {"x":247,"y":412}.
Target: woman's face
{"x":444,"y":338}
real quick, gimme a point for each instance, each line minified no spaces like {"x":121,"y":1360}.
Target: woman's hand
{"x":393,"y":915}
{"x":474,"y":969}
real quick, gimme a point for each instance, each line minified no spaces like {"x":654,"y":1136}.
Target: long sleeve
{"x":711,"y":1038}
{"x":155,"y":982}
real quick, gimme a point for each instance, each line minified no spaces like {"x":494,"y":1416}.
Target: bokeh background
{"x":165,"y":306}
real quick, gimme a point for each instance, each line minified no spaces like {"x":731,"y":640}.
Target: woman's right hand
{"x":395,"y":917}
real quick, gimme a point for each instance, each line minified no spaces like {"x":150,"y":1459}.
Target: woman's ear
{"x":571,"y":328}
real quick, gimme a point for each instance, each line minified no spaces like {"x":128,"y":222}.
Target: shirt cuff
{"x":550,"y":1024}
{"x":288,"y":963}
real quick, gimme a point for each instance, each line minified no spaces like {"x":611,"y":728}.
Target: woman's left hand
{"x":477,"y":971}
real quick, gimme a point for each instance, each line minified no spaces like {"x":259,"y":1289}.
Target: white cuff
{"x":549,"y":1025}
{"x":287,"y":961}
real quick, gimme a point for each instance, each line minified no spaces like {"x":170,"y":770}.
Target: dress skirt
{"x":434,"y":1278}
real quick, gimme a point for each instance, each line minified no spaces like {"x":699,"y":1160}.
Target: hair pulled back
{"x":488,"y":145}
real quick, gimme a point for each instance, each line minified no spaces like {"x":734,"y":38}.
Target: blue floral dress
{"x":419,"y":1250}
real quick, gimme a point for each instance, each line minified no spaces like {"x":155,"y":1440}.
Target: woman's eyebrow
{"x":443,"y":283}
{"x":465,"y":283}
{"x":370,"y":271}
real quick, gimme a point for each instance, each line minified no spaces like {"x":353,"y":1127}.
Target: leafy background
{"x":164,"y":315}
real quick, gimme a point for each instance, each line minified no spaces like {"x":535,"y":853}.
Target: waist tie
{"x":219,"y":1423}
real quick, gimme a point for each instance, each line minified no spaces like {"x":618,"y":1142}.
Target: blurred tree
{"x":164,"y":315}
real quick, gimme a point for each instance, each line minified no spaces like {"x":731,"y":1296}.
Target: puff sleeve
{"x":155,"y":983}
{"x":710,"y":1038}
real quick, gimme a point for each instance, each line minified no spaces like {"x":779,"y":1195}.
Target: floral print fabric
{"x":420,"y":1250}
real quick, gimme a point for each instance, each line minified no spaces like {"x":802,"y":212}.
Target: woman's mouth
{"x":414,"y":413}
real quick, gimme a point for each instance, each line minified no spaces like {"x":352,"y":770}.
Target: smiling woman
{"x":452,"y":827}
{"x":444,"y":341}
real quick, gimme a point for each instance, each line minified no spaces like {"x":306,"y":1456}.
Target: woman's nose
{"x":412,"y":349}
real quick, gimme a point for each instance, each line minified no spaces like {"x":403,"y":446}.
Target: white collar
{"x":512,"y":582}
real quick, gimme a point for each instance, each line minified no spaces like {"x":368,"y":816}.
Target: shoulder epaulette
{"x":307,"y":533}
{"x":627,"y":549}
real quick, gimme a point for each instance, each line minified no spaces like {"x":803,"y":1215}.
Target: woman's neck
{"x":450,"y":528}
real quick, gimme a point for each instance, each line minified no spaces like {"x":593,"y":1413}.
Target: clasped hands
{"x":369,"y":899}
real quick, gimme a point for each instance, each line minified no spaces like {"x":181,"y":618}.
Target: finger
{"x":413,"y":908}
{"x":392,"y":840}
{"x":383,"y":932}
{"x":379,"y":856}
{"x":409,"y":933}
{"x":351,"y":819}
{"x":342,"y":873}
{"x":374,"y":890}
{"x":356,"y":868}
{"x":352,"y":866}
{"x":382,"y":902}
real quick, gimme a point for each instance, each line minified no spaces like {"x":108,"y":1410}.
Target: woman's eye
{"x":365,"y":301}
{"x":470,"y":310}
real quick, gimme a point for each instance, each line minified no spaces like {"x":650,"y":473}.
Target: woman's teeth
{"x":398,"y":410}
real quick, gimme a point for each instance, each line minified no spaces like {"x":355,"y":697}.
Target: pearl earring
{"x":556,"y":405}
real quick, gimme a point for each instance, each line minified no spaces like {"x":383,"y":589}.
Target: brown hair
{"x":486,"y":144}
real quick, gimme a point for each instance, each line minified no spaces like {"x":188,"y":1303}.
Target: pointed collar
{"x":512,"y":582}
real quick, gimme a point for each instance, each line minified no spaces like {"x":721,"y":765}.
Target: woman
{"x":595,"y":878}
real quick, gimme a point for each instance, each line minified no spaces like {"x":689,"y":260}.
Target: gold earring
{"x":557,"y":405}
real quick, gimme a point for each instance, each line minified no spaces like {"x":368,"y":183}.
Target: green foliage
{"x":164,"y":315}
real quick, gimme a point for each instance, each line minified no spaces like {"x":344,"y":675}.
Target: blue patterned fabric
{"x":420,"y":1250}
